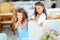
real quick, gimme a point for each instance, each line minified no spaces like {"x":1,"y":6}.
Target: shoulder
{"x":42,"y":15}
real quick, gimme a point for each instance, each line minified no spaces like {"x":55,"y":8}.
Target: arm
{"x":41,"y":24}
{"x":41,"y":19}
{"x":34,"y":18}
{"x":16,"y":25}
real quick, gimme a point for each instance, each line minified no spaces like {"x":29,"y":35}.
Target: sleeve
{"x":41,"y":18}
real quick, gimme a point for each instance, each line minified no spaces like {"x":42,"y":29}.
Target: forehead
{"x":19,"y":12}
{"x":39,"y":6}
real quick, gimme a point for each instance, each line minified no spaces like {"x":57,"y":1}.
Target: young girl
{"x":22,"y":25}
{"x":39,"y":14}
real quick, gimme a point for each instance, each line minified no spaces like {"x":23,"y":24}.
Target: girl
{"x":39,"y":14}
{"x":22,"y":25}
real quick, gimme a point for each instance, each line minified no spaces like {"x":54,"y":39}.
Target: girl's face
{"x":39,"y":9}
{"x":19,"y":16}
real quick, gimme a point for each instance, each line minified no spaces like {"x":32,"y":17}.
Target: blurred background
{"x":52,"y":6}
{"x":8,"y":16}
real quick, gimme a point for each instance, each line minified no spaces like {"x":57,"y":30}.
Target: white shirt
{"x":41,"y":18}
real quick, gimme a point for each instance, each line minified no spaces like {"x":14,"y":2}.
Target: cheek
{"x":19,"y":16}
{"x":40,"y":10}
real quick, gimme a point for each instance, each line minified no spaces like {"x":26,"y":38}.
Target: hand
{"x":36,"y":18}
{"x":33,"y":19}
{"x":41,"y":24}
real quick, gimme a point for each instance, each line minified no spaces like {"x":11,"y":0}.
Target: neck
{"x":23,"y":22}
{"x":39,"y":14}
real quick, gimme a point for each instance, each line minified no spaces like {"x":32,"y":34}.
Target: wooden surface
{"x":6,"y":22}
{"x":5,"y":7}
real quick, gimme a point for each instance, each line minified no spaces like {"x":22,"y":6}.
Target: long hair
{"x":24,"y":13}
{"x":41,"y":4}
